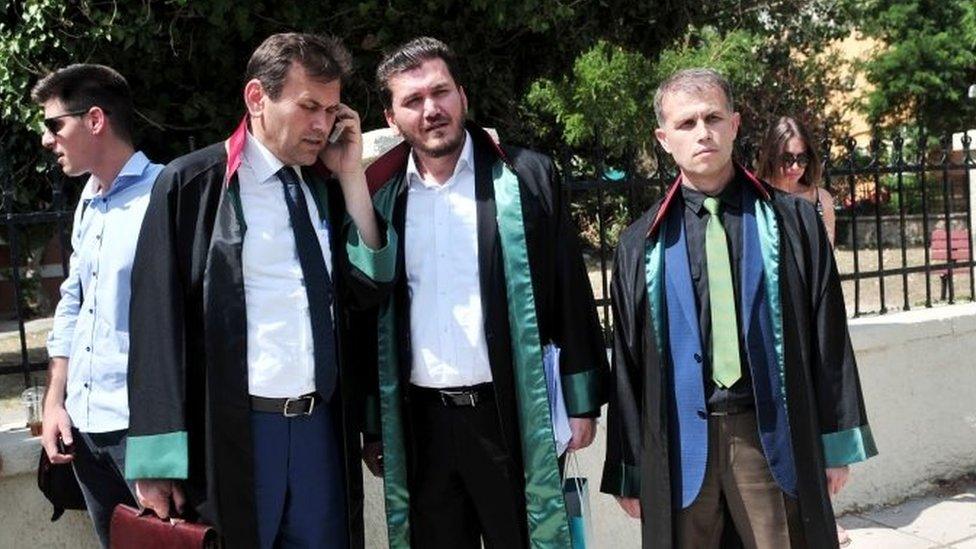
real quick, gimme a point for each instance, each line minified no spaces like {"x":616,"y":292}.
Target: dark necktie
{"x":318,"y":284}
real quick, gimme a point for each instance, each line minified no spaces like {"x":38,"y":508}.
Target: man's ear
{"x":391,"y":120}
{"x":254,"y":97}
{"x":662,"y":138}
{"x":736,"y":122}
{"x":97,"y":121}
{"x":464,"y":101}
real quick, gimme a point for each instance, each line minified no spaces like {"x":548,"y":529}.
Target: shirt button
{"x":86,"y":385}
{"x":698,"y":358}
{"x":702,"y":414}
{"x":88,"y":349}
{"x":91,"y":311}
{"x":94,"y":273}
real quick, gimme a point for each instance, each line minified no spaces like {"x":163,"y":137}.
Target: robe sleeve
{"x":621,"y":472}
{"x":845,"y":433}
{"x":371,"y":272}
{"x":583,"y":356}
{"x":157,"y":438}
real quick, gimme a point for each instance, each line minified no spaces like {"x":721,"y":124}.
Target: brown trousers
{"x":737,"y":478}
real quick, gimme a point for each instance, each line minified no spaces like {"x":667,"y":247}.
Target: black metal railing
{"x":876,"y":208}
{"x":15,"y":224}
{"x":900,"y":181}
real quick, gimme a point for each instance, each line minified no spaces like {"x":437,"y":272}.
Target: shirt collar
{"x":132,"y":171}
{"x":465,"y":161}
{"x":730,"y":197}
{"x":263,"y":162}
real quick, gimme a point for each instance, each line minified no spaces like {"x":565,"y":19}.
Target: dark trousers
{"x":299,"y":480}
{"x":738,"y":482}
{"x":467,"y":486}
{"x":99,"y":465}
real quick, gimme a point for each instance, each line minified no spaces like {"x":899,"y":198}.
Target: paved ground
{"x":943,"y":519}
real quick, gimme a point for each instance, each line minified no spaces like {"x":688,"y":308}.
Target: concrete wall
{"x":918,"y":371}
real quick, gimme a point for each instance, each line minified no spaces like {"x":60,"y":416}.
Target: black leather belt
{"x":731,"y":409}
{"x":288,"y":407}
{"x":454,"y":397}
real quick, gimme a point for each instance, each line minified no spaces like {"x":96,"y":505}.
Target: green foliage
{"x":606,"y":102}
{"x":925,"y":64}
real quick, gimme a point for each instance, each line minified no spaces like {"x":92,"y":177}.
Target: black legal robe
{"x":188,"y":366}
{"x":823,"y":393}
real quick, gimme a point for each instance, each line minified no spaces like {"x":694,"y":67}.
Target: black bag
{"x":59,"y":485}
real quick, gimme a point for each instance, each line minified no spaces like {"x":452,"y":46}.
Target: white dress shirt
{"x":441,"y":256}
{"x":280,"y":356}
{"x":91,"y":323}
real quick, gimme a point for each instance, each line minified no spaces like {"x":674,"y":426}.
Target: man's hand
{"x":631,"y":506}
{"x":56,"y":423}
{"x":156,"y":495}
{"x":344,"y":158}
{"x":583,"y":429}
{"x":837,"y":478}
{"x":373,"y":456}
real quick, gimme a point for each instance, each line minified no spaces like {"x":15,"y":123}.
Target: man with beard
{"x":489,"y":271}
{"x":735,"y":388}
{"x":242,"y":403}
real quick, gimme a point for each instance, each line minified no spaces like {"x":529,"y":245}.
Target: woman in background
{"x":790,"y":162}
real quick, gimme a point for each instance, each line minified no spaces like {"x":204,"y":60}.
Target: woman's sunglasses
{"x":55,"y":123}
{"x":788,"y":159}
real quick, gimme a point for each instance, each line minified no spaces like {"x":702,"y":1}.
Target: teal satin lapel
{"x":545,"y":506}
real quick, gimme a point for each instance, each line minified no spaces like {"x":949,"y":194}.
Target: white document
{"x":557,"y":404}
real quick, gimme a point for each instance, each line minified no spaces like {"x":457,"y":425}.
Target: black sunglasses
{"x":55,"y":123}
{"x":788,"y":159}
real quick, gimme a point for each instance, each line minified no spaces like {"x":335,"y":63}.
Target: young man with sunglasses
{"x":88,"y":126}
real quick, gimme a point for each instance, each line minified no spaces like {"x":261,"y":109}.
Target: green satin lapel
{"x":769,"y":244}
{"x":654,"y":278}
{"x":396,"y":493}
{"x":545,"y":506}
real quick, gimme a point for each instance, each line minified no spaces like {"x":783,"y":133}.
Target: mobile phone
{"x":336,"y":133}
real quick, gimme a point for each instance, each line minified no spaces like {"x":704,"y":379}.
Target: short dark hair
{"x":322,"y":56}
{"x":774,"y":144}
{"x":692,"y":80}
{"x":410,"y":56}
{"x":83,"y":86}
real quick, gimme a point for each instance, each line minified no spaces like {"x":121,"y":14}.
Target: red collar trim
{"x":673,"y":190}
{"x":235,"y":150}
{"x":234,"y":145}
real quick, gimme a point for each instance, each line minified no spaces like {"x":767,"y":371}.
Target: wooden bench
{"x":940,"y":244}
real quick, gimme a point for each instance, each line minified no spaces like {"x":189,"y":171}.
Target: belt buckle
{"x":447,"y":398}
{"x":311,"y":406}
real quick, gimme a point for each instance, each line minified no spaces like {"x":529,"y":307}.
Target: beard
{"x":445,"y":146}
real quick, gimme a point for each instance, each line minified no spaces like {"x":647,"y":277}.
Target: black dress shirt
{"x":696,"y":218}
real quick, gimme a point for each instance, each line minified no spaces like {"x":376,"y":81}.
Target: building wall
{"x":917,"y":371}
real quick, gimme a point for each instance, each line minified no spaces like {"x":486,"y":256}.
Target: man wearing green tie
{"x":736,"y":405}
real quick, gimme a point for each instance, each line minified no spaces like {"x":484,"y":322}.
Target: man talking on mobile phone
{"x":251,"y":252}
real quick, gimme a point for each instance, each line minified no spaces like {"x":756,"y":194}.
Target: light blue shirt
{"x":91,"y":323}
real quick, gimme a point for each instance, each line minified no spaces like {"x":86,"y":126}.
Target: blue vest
{"x":688,"y":414}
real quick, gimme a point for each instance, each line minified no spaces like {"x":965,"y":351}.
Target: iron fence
{"x":903,"y":207}
{"x":898,"y":182}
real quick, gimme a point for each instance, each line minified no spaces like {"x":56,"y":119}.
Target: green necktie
{"x":726,"y":367}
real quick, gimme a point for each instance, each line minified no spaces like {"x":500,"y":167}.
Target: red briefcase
{"x":135,"y":529}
